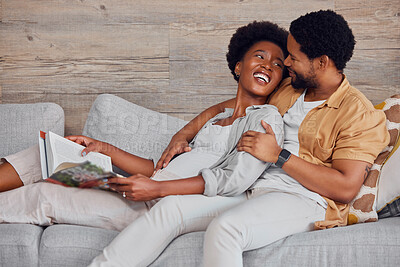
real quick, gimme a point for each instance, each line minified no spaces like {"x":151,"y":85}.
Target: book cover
{"x":81,"y":175}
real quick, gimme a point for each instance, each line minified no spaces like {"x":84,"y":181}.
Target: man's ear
{"x":323,"y":62}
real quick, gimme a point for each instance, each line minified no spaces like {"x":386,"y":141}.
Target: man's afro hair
{"x":246,"y":36}
{"x":324,"y":32}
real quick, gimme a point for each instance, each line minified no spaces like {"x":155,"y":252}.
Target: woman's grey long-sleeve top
{"x":236,"y":171}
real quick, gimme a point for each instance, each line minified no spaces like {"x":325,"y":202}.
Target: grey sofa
{"x":146,"y":133}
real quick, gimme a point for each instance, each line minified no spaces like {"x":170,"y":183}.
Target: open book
{"x":62,"y":163}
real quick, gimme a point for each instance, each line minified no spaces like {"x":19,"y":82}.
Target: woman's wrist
{"x":107,"y":149}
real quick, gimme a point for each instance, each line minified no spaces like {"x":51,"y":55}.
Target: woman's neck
{"x":242,"y":102}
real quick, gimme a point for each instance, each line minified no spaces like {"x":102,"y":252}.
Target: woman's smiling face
{"x":261,"y":68}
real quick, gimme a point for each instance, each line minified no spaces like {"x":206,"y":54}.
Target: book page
{"x":65,"y":150}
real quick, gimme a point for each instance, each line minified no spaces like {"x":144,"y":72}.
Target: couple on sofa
{"x":321,"y":134}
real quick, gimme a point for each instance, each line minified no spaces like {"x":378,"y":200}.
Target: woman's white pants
{"x":232,"y":224}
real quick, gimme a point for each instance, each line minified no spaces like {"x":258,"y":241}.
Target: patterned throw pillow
{"x":363,"y":206}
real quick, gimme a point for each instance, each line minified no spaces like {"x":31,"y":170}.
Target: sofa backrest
{"x":20,"y":124}
{"x":128,"y":126}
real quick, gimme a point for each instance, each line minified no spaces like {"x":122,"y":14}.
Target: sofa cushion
{"x":389,"y":182}
{"x":19,"y":244}
{"x":69,"y":245}
{"x":116,"y":121}
{"x":363,"y":206}
{"x":72,"y":245}
{"x":20,"y":124}
{"x":373,"y":244}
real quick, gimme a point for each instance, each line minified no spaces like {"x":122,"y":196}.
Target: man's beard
{"x":302,"y":82}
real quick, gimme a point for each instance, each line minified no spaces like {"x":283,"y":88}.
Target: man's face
{"x":300,"y":67}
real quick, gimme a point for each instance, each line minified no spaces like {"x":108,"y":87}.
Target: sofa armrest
{"x":130,"y":127}
{"x":20,"y":124}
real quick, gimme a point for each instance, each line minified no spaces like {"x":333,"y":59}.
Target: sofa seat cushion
{"x":72,"y":245}
{"x":19,"y":244}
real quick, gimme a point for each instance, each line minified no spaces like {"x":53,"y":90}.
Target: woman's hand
{"x":175,"y":147}
{"x":261,"y":145}
{"x":92,"y":145}
{"x":137,"y":187}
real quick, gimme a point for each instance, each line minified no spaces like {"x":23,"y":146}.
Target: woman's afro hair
{"x":246,"y":36}
{"x":324,"y":32}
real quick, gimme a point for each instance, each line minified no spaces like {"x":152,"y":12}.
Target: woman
{"x":256,"y":61}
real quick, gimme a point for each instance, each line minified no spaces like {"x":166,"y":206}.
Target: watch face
{"x":285,"y":154}
{"x":283,"y":157}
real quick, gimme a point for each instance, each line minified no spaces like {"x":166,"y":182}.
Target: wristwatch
{"x":283,"y":157}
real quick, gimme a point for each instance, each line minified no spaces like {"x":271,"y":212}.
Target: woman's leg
{"x":145,"y":239}
{"x":9,"y":178}
{"x":257,"y":223}
{"x":45,"y":204}
{"x":20,"y":169}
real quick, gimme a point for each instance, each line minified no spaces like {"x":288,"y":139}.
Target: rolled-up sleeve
{"x":240,"y":170}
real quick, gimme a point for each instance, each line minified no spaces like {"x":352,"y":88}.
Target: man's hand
{"x":261,"y":145}
{"x":137,"y":187}
{"x":92,"y":145}
{"x":175,"y":147}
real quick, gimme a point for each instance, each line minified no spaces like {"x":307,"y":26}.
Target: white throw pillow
{"x":389,"y":180}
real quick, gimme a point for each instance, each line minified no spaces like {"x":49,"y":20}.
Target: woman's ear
{"x":238,"y":68}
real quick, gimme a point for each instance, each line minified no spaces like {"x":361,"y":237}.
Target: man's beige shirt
{"x":345,"y":126}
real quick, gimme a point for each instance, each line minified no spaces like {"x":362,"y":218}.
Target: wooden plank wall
{"x":167,"y":55}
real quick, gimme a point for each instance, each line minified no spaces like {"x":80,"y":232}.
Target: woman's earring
{"x":237,"y":75}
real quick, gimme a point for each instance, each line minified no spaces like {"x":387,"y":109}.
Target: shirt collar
{"x":249,"y":108}
{"x":253,"y":107}
{"x":337,"y":97}
{"x":229,"y":112}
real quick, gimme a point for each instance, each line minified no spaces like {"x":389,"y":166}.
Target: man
{"x":332,"y":134}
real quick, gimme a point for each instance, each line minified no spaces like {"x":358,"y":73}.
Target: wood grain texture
{"x":375,"y":67}
{"x":166,"y":55}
